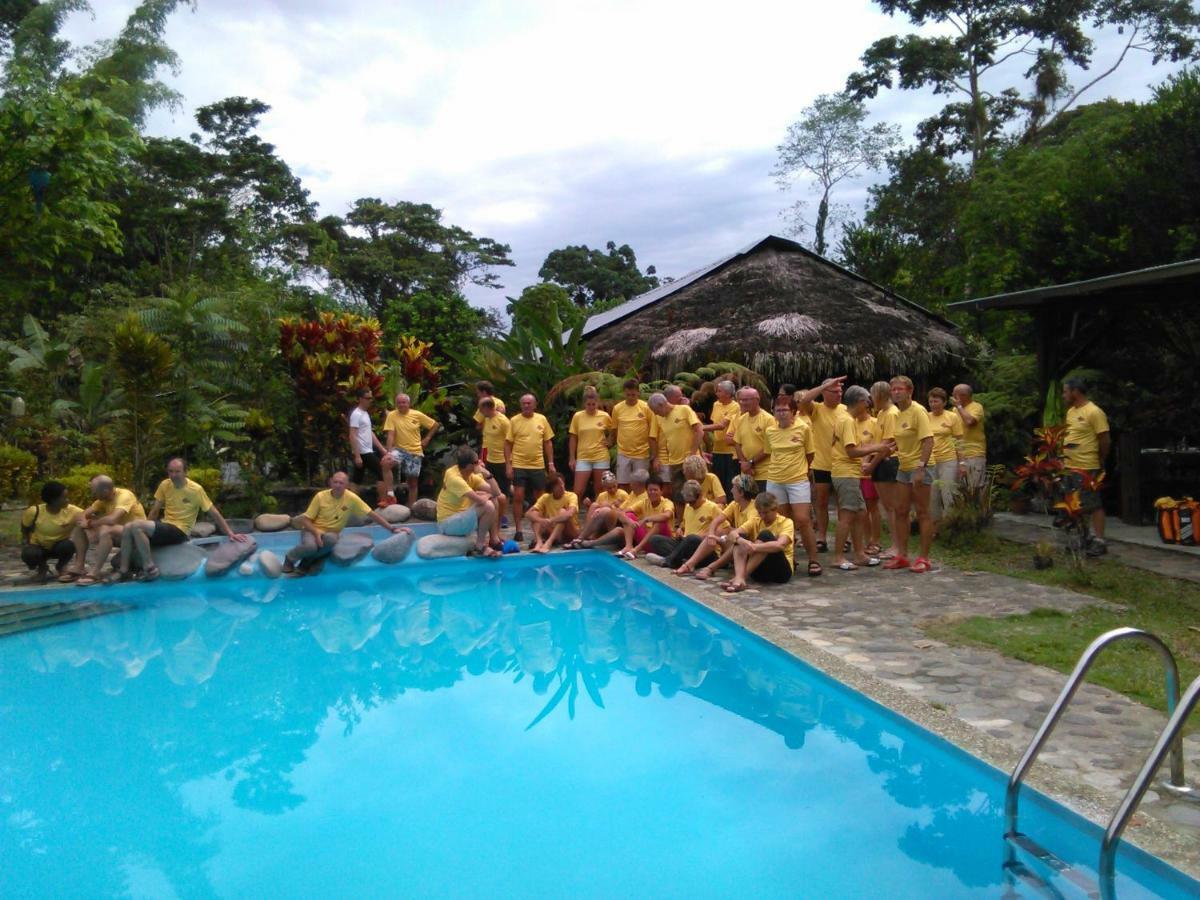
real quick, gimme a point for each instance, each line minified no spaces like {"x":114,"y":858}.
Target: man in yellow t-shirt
{"x":485,"y":390}
{"x":749,"y":434}
{"x":327,"y":515}
{"x":946,"y":459}
{"x":496,"y":432}
{"x":679,"y":431}
{"x":468,"y":502}
{"x":720,"y":421}
{"x":974,"y":441}
{"x":1086,"y":444}
{"x":46,"y":532}
{"x":179,"y":502}
{"x":405,"y":443}
{"x":914,"y":447}
{"x":825,"y":413}
{"x":765,"y":547}
{"x":555,"y":516}
{"x":112,"y":510}
{"x":633,"y":422}
{"x":528,"y":457}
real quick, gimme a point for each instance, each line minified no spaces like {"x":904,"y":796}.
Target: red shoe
{"x":920,"y":565}
{"x":898,"y":562}
{"x":385,"y":503}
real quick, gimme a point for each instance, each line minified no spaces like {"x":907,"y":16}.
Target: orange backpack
{"x":1177,"y":520}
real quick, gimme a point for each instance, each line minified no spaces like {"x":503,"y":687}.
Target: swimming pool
{"x":538,"y":727}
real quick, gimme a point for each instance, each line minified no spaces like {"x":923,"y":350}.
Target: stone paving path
{"x":872,"y":619}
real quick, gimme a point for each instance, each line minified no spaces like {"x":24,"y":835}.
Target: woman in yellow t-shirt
{"x":602,"y":515}
{"x":696,"y":469}
{"x":790,"y":442}
{"x":698,"y":515}
{"x":946,"y":459}
{"x":588,"y":443}
{"x":47,"y":529}
{"x":764,"y":548}
{"x":722,"y":533}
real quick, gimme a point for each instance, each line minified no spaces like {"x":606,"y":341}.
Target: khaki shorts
{"x":627,"y":465}
{"x":976,"y":470}
{"x":847,"y":493}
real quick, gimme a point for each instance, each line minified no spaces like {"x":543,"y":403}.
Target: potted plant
{"x":1043,"y":555}
{"x":1038,"y":476}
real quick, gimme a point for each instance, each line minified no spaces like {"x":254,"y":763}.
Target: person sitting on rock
{"x":469,"y":503}
{"x":113,"y":508}
{"x":554,"y":516}
{"x":46,"y":531}
{"x":327,"y":515}
{"x":178,"y":502}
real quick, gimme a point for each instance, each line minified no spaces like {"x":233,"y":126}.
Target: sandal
{"x":684,"y":570}
{"x":920,"y":565}
{"x":896,"y":562}
{"x":814,"y":569}
{"x":68,"y":577}
{"x":87,"y":581}
{"x":150,"y":574}
{"x":822,"y":547}
{"x":625,"y":554}
{"x":873,"y":549}
{"x":733,"y":588}
{"x":491,"y":553}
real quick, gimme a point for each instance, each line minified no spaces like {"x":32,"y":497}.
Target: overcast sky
{"x":541,"y":124}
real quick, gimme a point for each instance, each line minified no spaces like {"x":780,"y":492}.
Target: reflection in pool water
{"x":535,"y":728}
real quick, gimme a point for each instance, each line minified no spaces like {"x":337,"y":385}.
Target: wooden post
{"x":1129,"y":464}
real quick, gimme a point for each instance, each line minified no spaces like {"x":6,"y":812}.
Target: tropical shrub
{"x":141,"y":362}
{"x":17,"y":468}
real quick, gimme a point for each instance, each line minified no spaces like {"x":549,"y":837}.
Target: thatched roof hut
{"x":781,"y":310}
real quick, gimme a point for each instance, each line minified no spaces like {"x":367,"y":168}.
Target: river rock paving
{"x":874,"y":620}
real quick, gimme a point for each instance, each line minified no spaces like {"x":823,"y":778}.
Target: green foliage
{"x":209,"y":479}
{"x":78,"y":480}
{"x":539,"y":301}
{"x":17,"y":468}
{"x":141,"y":362}
{"x":594,"y":277}
{"x":1007,"y":388}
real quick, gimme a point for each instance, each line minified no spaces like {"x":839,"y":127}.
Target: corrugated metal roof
{"x":1034,"y":297}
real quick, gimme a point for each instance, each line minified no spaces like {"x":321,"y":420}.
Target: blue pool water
{"x":535,"y":728}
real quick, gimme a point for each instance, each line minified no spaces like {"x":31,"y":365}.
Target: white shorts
{"x":793,"y":492}
{"x":582,"y":465}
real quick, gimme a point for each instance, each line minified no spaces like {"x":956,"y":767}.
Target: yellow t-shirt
{"x":452,"y":498}
{"x":868,"y":433}
{"x":50,"y":528}
{"x":590,"y":432}
{"x":845,"y":434}
{"x":711,"y":487}
{"x":549,"y":506}
{"x":182,"y":505}
{"x":823,"y":421}
{"x":736,"y":516}
{"x":886,"y":422}
{"x":789,"y":448}
{"x":1085,"y":424}
{"x":330,"y":513}
{"x":750,"y":433}
{"x":947,"y":432}
{"x":634,"y":428}
{"x":974,"y":441}
{"x":676,"y":430}
{"x":124,"y":500}
{"x":499,"y":408}
{"x":641,"y":507}
{"x":529,"y":434}
{"x":616,"y":499}
{"x":912,"y":427}
{"x":727,"y":413}
{"x":696,"y":521}
{"x":407,"y":429}
{"x":496,"y":431}
{"x":781,"y":527}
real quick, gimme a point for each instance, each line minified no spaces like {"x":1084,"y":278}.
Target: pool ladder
{"x":1170,"y":742}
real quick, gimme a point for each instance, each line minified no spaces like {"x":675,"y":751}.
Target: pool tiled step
{"x":19,"y":617}
{"x":1055,"y":866}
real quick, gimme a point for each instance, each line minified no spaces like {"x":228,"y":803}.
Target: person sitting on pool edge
{"x":46,"y":531}
{"x":602,"y":515}
{"x":469,"y":503}
{"x":178,"y":501}
{"x":764,"y":550}
{"x":616,"y":531}
{"x":723,"y":532}
{"x":327,"y":515}
{"x":554,"y":516}
{"x":699,"y":512}
{"x":650,"y":514}
{"x":102,"y":525}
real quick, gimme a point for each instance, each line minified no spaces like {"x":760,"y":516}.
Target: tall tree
{"x":542,"y":302}
{"x":595,"y":277}
{"x":1049,"y":35}
{"x":830,"y":143}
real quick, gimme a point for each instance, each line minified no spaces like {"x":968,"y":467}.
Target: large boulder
{"x":394,"y":549}
{"x":270,"y":563}
{"x":203,"y":530}
{"x":396,"y":513}
{"x":228,"y":555}
{"x":440,"y":546}
{"x":425,"y":510}
{"x":272,"y":522}
{"x":178,"y":560}
{"x":351,"y":547}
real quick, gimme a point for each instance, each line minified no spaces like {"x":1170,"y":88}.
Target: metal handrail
{"x":1068,"y":692}
{"x":1168,"y":742}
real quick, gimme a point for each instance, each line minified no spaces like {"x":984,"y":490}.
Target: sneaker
{"x":1097,"y":547}
{"x":504,"y":521}
{"x":920,"y":565}
{"x":518,"y":536}
{"x":897,"y":562}
{"x":655,"y":560}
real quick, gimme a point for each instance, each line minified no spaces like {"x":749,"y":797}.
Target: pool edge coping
{"x":1151,"y":835}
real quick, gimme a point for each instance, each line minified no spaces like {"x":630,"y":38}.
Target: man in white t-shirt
{"x":368,"y":451}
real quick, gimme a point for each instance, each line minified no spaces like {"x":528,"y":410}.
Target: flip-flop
{"x":87,"y":581}
{"x":68,"y":577}
{"x":822,"y":547}
{"x":624,"y":554}
{"x":687,"y":570}
{"x":847,"y":567}
{"x":731,"y":588}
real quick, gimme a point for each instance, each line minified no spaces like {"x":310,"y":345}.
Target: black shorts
{"x":501,"y":476}
{"x":530,"y":479}
{"x":774,"y":569}
{"x":886,"y":471}
{"x":164,"y":535}
{"x":822,"y":476}
{"x":35,"y":555}
{"x":370,"y":466}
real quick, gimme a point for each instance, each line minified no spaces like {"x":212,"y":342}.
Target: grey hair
{"x":881,"y":389}
{"x":672,"y":390}
{"x":727,"y":386}
{"x":855,"y":394}
{"x":690,"y":491}
{"x":101,"y":481}
{"x":658,"y":398}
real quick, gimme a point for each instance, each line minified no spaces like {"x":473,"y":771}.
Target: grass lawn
{"x":1168,"y":607}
